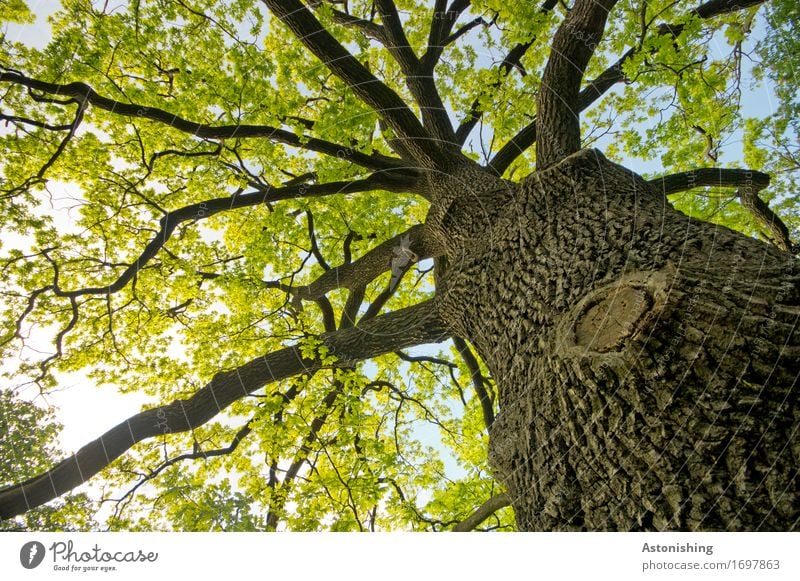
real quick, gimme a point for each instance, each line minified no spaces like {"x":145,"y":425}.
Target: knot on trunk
{"x":613,"y":317}
{"x":609,"y":315}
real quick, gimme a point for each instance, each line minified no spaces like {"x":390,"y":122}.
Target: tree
{"x":27,"y":448}
{"x":253,"y":184}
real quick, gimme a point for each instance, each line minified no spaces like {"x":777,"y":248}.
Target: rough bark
{"x":646,"y":363}
{"x":557,"y":112}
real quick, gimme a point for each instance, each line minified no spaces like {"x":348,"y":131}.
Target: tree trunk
{"x":646,"y":363}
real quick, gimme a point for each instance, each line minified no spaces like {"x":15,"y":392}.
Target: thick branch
{"x":717,"y":7}
{"x":710,"y":176}
{"x":779,"y":233}
{"x":210,"y":207}
{"x":375,"y":262}
{"x":442,"y":23}
{"x":710,"y":10}
{"x":85,"y":93}
{"x":363,"y":83}
{"x":397,"y":44}
{"x":747,"y":183}
{"x":367,"y":27}
{"x":593,"y":90}
{"x":420,"y":81}
{"x":411,"y":326}
{"x":607,"y":79}
{"x":558,"y":122}
{"x":483,"y":512}
{"x":392,"y":36}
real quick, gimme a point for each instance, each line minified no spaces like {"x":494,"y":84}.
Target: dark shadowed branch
{"x":397,"y":43}
{"x":747,"y":182}
{"x":442,"y":22}
{"x":710,"y":10}
{"x":411,"y":326}
{"x":710,"y":176}
{"x":386,"y":294}
{"x":367,"y":27}
{"x":612,"y":75}
{"x":382,"y":99}
{"x":85,"y":93}
{"x":312,"y":236}
{"x":420,"y":83}
{"x":419,"y":80}
{"x":593,"y":90}
{"x":778,"y":232}
{"x":478,"y":380}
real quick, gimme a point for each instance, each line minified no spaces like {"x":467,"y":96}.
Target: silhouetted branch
{"x":747,"y":182}
{"x":710,"y":176}
{"x":404,"y":328}
{"x":487,"y":407}
{"x":85,"y":93}
{"x":383,"y":100}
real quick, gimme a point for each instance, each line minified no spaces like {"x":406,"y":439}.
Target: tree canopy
{"x":218,"y":204}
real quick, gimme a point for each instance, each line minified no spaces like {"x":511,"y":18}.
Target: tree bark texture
{"x":647,"y":363}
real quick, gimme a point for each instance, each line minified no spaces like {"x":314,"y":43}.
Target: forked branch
{"x":405,"y":328}
{"x":89,"y":96}
{"x":558,"y":123}
{"x":747,"y":182}
{"x":382,"y":99}
{"x":612,"y":75}
{"x":442,"y":22}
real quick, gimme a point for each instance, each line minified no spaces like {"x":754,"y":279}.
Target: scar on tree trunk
{"x":646,"y":362}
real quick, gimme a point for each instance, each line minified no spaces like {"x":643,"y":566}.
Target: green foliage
{"x":27,"y":448}
{"x":15,"y":11}
{"x":772,"y":141}
{"x":29,"y":438}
